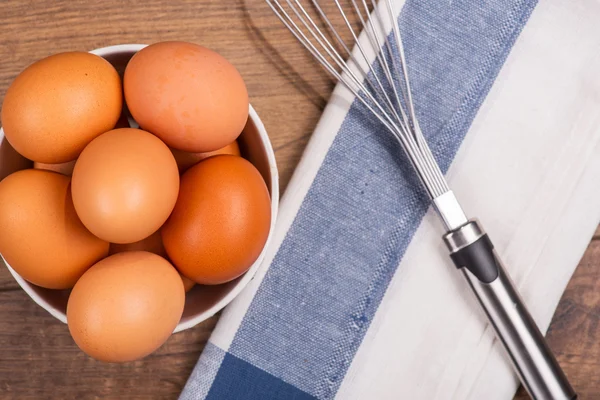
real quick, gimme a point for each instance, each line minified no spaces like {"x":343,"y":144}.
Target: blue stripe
{"x":238,"y":379}
{"x":321,"y":292}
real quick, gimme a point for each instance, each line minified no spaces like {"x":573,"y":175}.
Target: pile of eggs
{"x":130,"y":218}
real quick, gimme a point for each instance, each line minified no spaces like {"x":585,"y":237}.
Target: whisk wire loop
{"x":395,"y":112}
{"x":377,"y":90}
{"x":380,"y":88}
{"x":375,"y":42}
{"x":408,"y":123}
{"x":355,"y":84}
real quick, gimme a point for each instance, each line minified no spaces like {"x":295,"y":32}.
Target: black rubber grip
{"x":479,"y":259}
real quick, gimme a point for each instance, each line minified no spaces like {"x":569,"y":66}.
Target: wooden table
{"x":38,"y":359}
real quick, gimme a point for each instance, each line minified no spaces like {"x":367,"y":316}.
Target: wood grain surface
{"x":38,"y":359}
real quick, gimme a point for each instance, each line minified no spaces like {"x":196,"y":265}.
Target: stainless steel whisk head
{"x":382,"y":85}
{"x":376,"y":73}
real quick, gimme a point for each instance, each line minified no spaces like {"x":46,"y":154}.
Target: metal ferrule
{"x":465,"y":235}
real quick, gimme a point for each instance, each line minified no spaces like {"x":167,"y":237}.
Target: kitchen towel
{"x":357,"y":297}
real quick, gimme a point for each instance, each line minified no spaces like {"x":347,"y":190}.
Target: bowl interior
{"x":201,"y":301}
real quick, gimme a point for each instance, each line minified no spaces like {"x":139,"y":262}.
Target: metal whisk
{"x":387,"y":95}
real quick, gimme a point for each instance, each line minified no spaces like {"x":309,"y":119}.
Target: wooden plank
{"x":575,"y":329}
{"x":38,"y":359}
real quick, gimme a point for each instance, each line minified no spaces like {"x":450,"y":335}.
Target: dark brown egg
{"x":220,"y":222}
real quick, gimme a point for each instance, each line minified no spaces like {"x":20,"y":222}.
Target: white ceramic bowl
{"x":201,"y":302}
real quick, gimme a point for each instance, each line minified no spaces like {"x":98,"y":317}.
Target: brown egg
{"x":125,"y":306}
{"x":64,"y":168}
{"x":189,"y":96}
{"x":42,"y":238}
{"x":123,"y":122}
{"x":125,"y":185}
{"x":152,"y":244}
{"x":221,"y":220}
{"x":187,"y":160}
{"x":57,"y":105}
{"x":188,"y":284}
{"x":12,"y":161}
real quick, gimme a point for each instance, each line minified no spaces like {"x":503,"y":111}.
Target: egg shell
{"x":221,"y":220}
{"x":125,"y":185}
{"x":152,"y":244}
{"x":123,"y":122}
{"x":189,"y":96}
{"x":187,"y":160}
{"x":188,"y":284}
{"x":125,"y":306}
{"x":65,"y":169}
{"x":12,"y":161}
{"x":57,"y":105}
{"x":42,"y":237}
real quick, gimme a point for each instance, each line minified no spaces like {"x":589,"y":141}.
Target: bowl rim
{"x":245,"y":278}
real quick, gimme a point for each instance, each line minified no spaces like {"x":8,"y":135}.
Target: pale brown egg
{"x":12,"y":161}
{"x":221,"y":220}
{"x":57,"y":105}
{"x":42,"y":237}
{"x":187,"y":160}
{"x":188,"y":284}
{"x":125,"y":185}
{"x":189,"y":96}
{"x":152,"y":244}
{"x":123,"y":122}
{"x":64,"y":168}
{"x":125,"y":306}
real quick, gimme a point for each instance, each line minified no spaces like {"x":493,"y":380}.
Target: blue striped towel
{"x":357,"y":298}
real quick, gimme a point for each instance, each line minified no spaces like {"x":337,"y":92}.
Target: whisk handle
{"x":539,"y":372}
